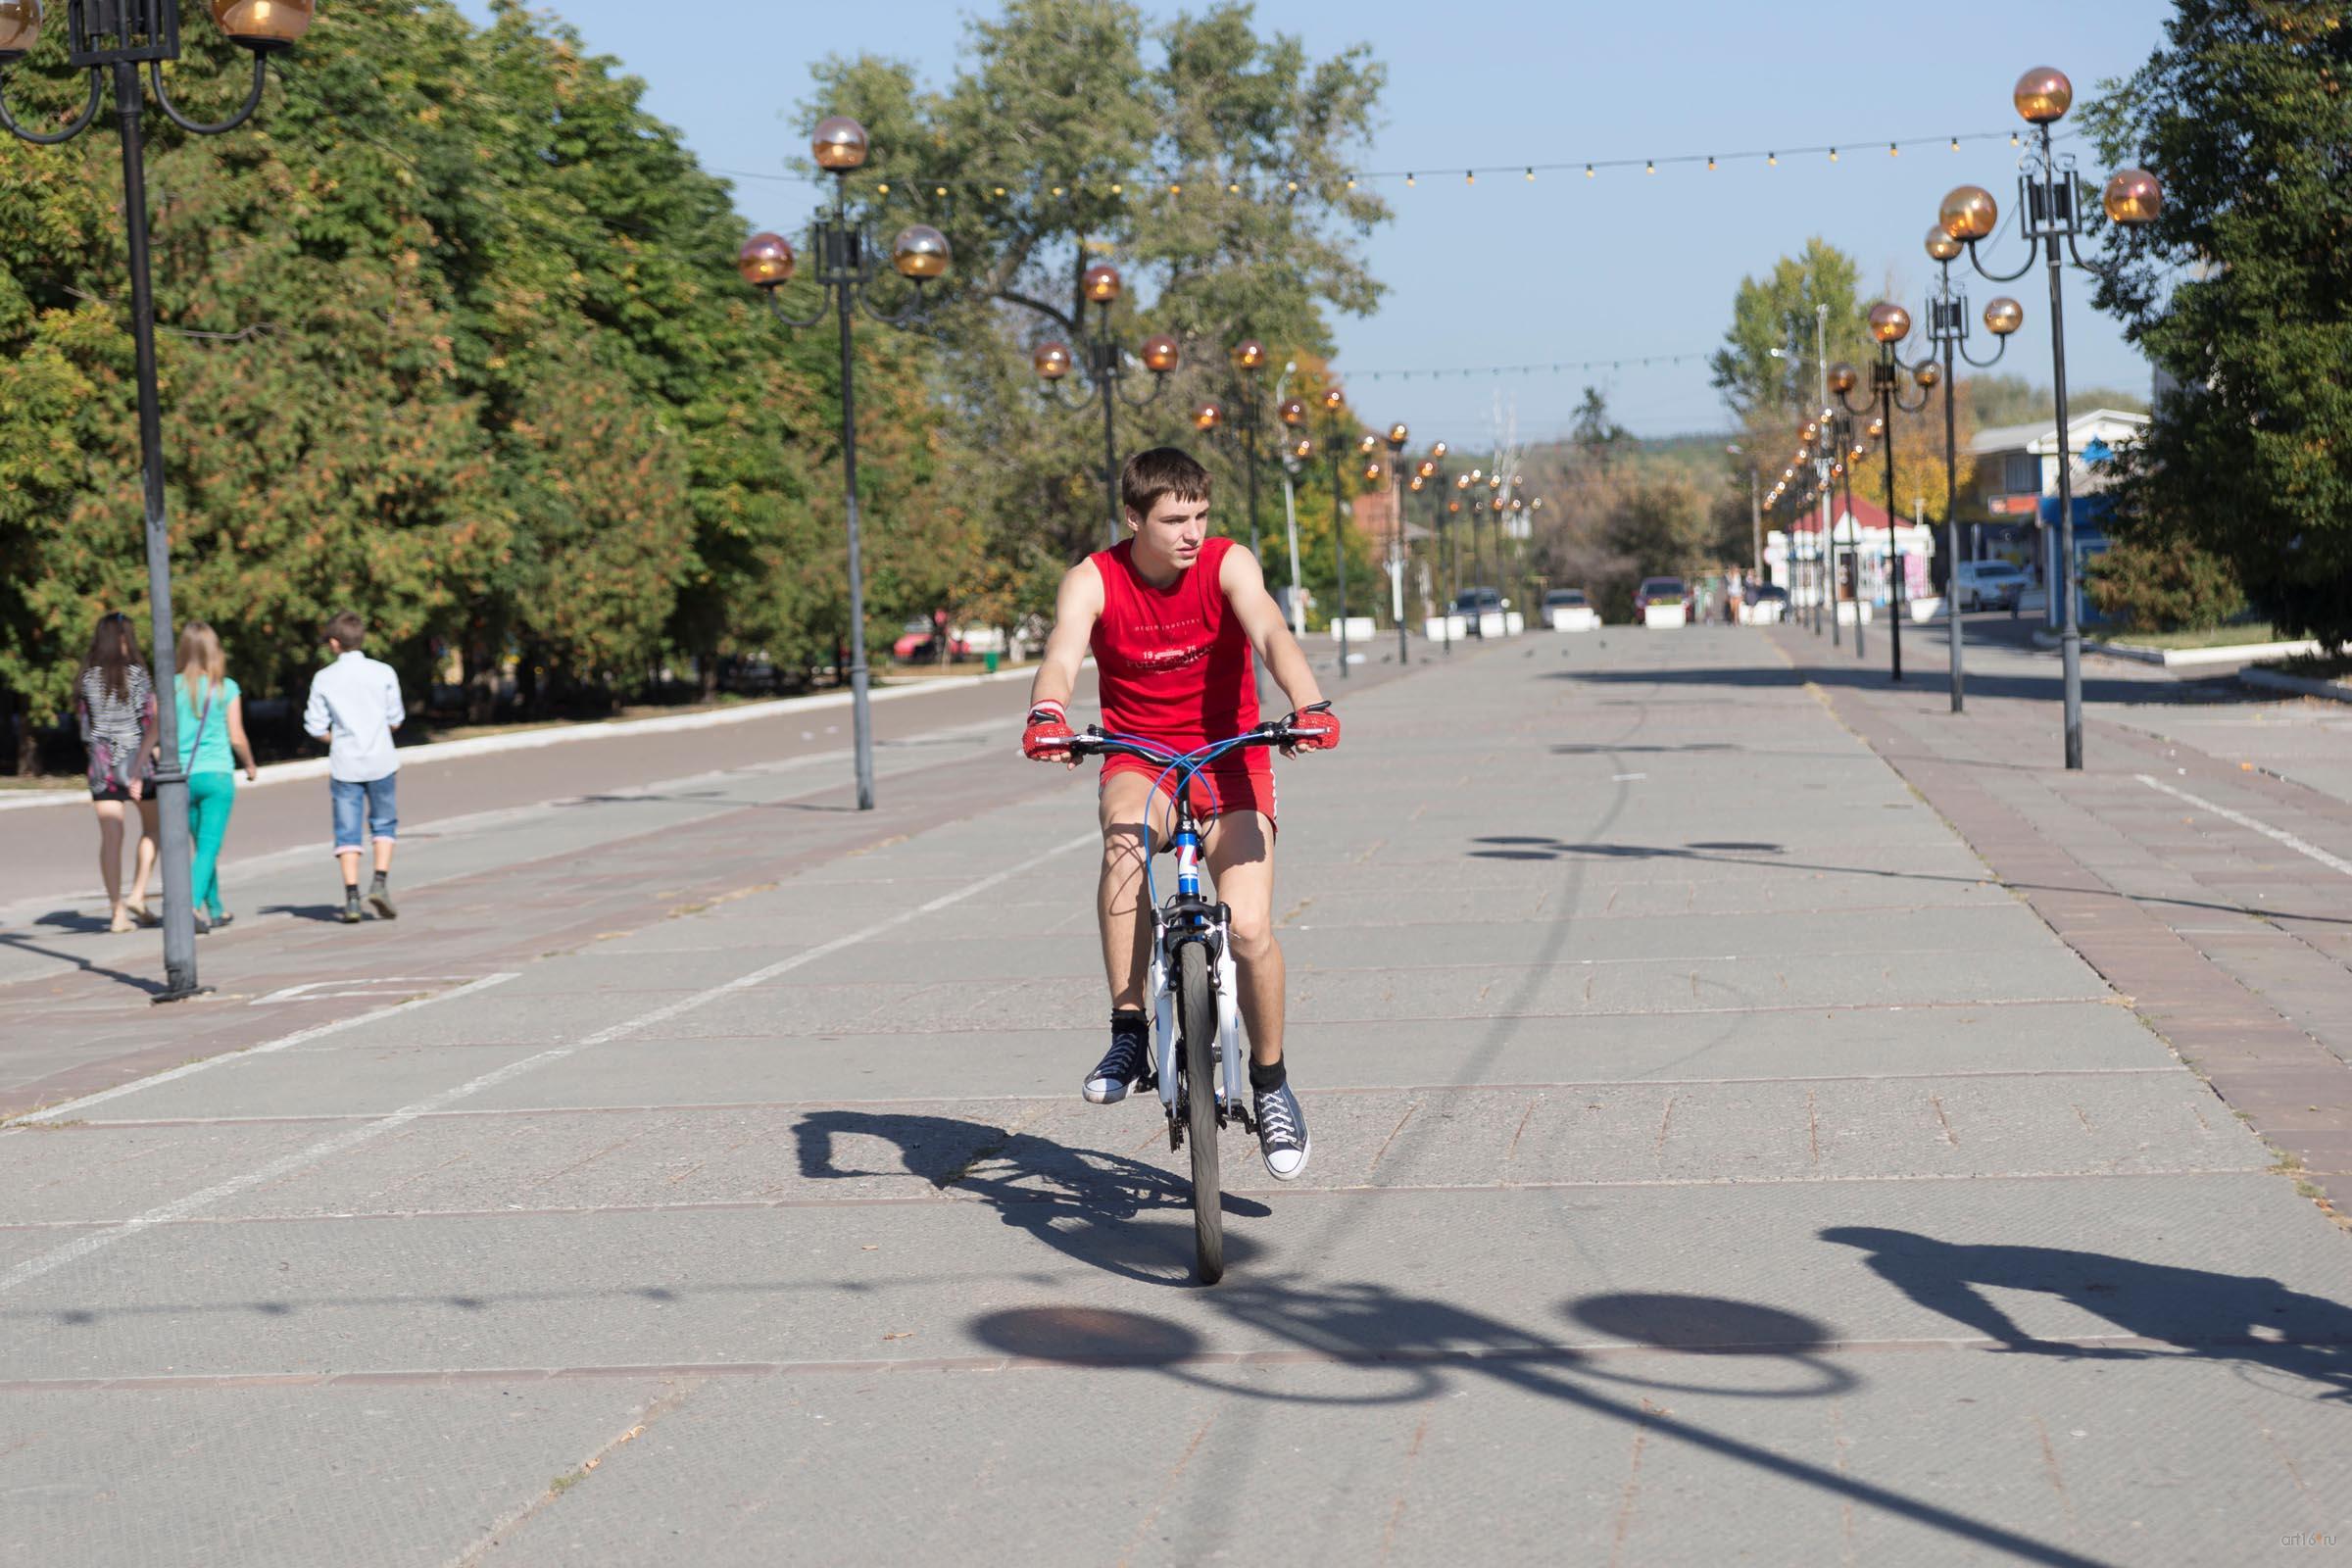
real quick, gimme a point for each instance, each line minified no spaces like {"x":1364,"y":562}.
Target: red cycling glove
{"x":1317,"y":729}
{"x":1047,"y":737}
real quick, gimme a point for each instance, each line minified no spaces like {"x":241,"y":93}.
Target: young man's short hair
{"x":347,"y":628}
{"x":1159,"y":472}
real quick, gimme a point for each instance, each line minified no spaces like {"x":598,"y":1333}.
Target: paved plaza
{"x":1757,"y":1117}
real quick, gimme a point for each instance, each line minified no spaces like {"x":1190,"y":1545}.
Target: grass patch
{"x":2231,"y":636}
{"x":2314,"y":667}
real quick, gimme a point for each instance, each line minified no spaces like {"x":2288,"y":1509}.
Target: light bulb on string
{"x":1589,"y":172}
{"x":1652,"y":167}
{"x":1710,"y":162}
{"x":1892,"y":151}
{"x":1772,"y":159}
{"x":1469,"y":176}
{"x":1531,"y":175}
{"x":1833,"y":155}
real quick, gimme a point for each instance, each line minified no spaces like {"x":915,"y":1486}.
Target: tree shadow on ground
{"x":1928,"y":682}
{"x":1538,"y":847}
{"x":1085,"y":1204}
{"x":1408,"y":1348}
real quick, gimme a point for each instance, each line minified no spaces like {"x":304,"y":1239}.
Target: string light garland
{"x":1170,"y":182}
{"x":1540,"y":368}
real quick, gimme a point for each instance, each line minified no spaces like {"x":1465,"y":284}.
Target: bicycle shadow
{"x":1089,"y":1204}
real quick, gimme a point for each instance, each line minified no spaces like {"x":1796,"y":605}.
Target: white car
{"x":1997,"y":583}
{"x":1568,"y":610}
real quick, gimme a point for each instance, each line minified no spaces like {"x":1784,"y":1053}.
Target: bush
{"x":2170,"y":585}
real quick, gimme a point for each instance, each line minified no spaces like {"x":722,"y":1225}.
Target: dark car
{"x":1658,"y":591}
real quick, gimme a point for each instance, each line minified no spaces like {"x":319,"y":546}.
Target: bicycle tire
{"x":1196,"y":1028}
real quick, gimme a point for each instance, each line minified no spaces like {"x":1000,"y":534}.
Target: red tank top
{"x":1173,"y":663}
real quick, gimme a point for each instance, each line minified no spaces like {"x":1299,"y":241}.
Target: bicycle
{"x":1196,"y":1031}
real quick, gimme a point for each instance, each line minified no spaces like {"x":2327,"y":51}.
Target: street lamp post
{"x":1333,"y":400}
{"x":1296,"y":448}
{"x":1249,"y":359}
{"x":1099,"y":286}
{"x":112,"y":38}
{"x":1947,"y":328}
{"x":2047,"y":194}
{"x":845,"y":276}
{"x":1396,"y":438}
{"x":1889,"y":325}
{"x":1430,"y":476}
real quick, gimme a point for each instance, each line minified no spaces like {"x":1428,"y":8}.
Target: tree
{"x":1997,"y":400}
{"x":1213,"y":169}
{"x":1767,"y":370}
{"x":2242,"y":291}
{"x":2169,"y":585}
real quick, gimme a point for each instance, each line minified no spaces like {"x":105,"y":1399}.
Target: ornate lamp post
{"x":1839,"y":450}
{"x":1396,"y":438}
{"x":1098,"y":285}
{"x":1889,"y":325}
{"x":1248,"y":360}
{"x":845,"y":276}
{"x":1333,"y":400}
{"x":1430,"y":476}
{"x":112,"y":39}
{"x":1947,"y":328}
{"x":1296,"y":448}
{"x":2046,"y":195}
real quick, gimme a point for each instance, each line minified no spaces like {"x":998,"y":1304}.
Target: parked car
{"x":1662,"y":601}
{"x":1474,"y":605}
{"x":919,"y":642}
{"x":1766,"y":603}
{"x":1568,"y":610}
{"x":1995,"y":583}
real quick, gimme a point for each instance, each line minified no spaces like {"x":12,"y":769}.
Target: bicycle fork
{"x":1211,"y":924}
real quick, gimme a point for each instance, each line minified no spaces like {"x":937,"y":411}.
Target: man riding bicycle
{"x":1173,"y":617}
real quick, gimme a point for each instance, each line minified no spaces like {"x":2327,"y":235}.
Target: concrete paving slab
{"x":1635,"y":1458}
{"x":359,"y":1474}
{"x":2231,"y":1258}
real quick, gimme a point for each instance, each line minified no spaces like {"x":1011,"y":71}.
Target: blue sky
{"x":1566,"y":269}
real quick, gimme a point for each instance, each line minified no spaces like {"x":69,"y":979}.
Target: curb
{"x":2175,"y":657}
{"x":564,"y":735}
{"x":2300,"y":685}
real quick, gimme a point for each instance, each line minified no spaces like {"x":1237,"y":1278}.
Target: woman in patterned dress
{"x":116,"y":701}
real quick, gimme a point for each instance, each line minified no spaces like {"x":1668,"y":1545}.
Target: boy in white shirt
{"x":355,"y":707}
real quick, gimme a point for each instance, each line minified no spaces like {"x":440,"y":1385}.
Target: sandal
{"x":145,"y":916}
{"x":121,"y":922}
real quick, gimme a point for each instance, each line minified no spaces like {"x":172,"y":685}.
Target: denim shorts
{"x":374,"y":805}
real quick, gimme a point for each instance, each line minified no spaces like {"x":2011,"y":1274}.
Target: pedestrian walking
{"x":212,"y":744}
{"x":355,"y":707}
{"x":114,"y":698}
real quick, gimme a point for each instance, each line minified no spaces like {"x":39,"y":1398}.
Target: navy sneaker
{"x":1123,"y":1064}
{"x":1282,"y":1131}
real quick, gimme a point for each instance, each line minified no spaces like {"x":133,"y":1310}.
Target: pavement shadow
{"x":1412,"y":1348}
{"x":323,"y":913}
{"x":2233,"y":1318}
{"x":138,"y":983}
{"x":1925,"y":679}
{"x":1086,"y":1204}
{"x":1537,"y":847}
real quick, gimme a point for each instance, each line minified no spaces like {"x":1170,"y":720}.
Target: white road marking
{"x":74,"y":1108}
{"x":367,"y":986}
{"x":2281,"y":835}
{"x":33,"y":1268}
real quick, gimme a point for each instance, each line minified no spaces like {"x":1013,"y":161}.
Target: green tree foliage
{"x":451,"y":333}
{"x":2242,"y":291}
{"x":1997,"y":400}
{"x":1773,"y":390}
{"x":1209,"y":162}
{"x":2163,"y":585}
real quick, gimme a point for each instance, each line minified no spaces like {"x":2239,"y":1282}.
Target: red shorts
{"x":1211,"y":790}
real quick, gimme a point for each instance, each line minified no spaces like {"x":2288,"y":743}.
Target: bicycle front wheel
{"x":1196,"y":1027}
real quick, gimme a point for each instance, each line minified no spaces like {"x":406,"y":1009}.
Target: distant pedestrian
{"x":210,"y":710}
{"x":114,"y":698}
{"x":355,"y":707}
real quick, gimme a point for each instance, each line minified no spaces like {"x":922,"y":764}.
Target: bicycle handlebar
{"x":1093,"y":742}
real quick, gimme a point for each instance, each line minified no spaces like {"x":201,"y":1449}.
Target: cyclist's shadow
{"x":1086,"y":1204}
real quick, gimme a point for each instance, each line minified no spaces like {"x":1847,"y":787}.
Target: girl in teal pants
{"x":212,"y":726}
